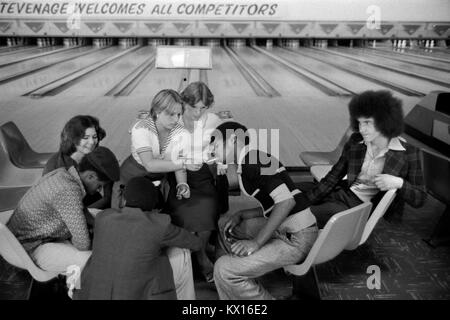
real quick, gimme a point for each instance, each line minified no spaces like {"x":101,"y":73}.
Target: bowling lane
{"x":26,"y":53}
{"x":107,"y":78}
{"x":403,"y":80}
{"x":34,"y":81}
{"x":347,"y":80}
{"x":438,"y":75}
{"x":405,"y":58}
{"x":432,"y":52}
{"x":36,"y":63}
{"x":12,"y":50}
{"x":225,"y":80}
{"x":283,"y":80}
{"x":158,"y":79}
{"x":425,"y":54}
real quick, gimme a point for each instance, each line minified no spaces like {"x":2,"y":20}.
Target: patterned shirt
{"x":52,"y":211}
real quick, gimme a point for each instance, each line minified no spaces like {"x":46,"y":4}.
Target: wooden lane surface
{"x":306,"y":123}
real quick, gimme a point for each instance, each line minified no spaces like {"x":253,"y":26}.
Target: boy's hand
{"x":244,"y":248}
{"x":386,"y":182}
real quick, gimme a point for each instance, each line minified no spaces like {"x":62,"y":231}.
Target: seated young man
{"x":50,"y":221}
{"x":261,"y":239}
{"x":134,"y":255}
{"x":375,"y":159}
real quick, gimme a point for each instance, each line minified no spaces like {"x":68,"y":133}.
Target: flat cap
{"x":106,"y":162}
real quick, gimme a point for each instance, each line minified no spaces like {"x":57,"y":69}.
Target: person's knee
{"x":222,"y":268}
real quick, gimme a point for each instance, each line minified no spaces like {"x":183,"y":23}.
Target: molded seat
{"x":10,"y":197}
{"x":319,"y":172}
{"x":314,"y":158}
{"x":436,"y":169}
{"x":20,"y":152}
{"x":12,"y":251}
{"x":342,"y":232}
{"x":377,"y":214}
{"x":11,"y":175}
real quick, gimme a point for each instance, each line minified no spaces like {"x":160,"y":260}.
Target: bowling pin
{"x":432,"y":44}
{"x":9,"y":42}
{"x":427,"y":44}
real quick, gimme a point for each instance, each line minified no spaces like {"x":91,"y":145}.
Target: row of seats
{"x":20,"y":168}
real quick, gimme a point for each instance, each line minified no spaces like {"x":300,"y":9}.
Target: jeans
{"x":235,"y":277}
{"x":180,"y":260}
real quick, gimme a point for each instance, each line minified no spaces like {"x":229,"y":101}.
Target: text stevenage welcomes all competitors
{"x":138,"y":8}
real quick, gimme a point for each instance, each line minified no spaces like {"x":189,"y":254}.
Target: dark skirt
{"x":200,"y":211}
{"x":130,"y":168}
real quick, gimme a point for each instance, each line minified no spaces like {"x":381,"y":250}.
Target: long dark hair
{"x":74,"y":131}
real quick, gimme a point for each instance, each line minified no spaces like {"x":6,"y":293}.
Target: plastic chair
{"x":20,"y":152}
{"x":319,"y":172}
{"x":314,"y":158}
{"x":11,"y":175}
{"x":342,"y":231}
{"x":12,"y":251}
{"x":10,"y":197}
{"x":377,"y":214}
{"x":436,"y":169}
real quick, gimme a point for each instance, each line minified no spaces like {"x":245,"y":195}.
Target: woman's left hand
{"x":183,"y":191}
{"x":221,"y":169}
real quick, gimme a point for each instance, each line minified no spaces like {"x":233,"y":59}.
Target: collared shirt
{"x":144,"y":137}
{"x":52,"y":211}
{"x":198,"y":145}
{"x":364,"y":186}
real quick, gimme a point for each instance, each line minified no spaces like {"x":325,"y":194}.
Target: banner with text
{"x":255,"y":9}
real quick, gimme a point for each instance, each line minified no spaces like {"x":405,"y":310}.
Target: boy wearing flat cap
{"x":136,"y":252}
{"x":49,"y":220}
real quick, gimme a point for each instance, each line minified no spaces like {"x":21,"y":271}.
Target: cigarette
{"x":209,"y":161}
